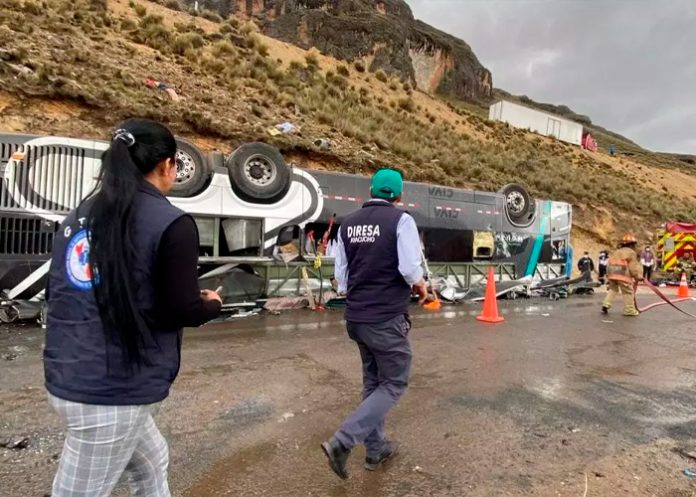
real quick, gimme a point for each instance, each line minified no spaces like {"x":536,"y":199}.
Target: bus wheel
{"x":519,"y":205}
{"x":191,"y":170}
{"x":9,"y":314}
{"x":258,"y":173}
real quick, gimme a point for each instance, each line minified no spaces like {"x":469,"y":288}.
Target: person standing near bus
{"x":647,"y":260}
{"x":122,"y":285}
{"x":623,"y":272}
{"x":603,"y":260}
{"x":585,"y":263}
{"x":378,"y":264}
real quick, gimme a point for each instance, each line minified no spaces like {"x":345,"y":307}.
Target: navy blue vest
{"x":80,"y":363}
{"x":376,"y":290}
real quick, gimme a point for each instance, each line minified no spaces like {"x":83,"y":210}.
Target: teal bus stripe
{"x":539,"y":242}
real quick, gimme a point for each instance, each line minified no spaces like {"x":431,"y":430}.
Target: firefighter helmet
{"x":628,"y":239}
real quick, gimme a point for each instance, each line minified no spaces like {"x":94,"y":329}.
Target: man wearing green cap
{"x":378,"y":265}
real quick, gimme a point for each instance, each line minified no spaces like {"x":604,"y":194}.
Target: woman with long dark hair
{"x":122,"y":285}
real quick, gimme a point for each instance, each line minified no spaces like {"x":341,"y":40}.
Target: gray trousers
{"x":103,"y":443}
{"x":386,"y":363}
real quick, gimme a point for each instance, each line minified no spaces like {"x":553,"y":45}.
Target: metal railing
{"x":42,"y":177}
{"x":26,"y":236}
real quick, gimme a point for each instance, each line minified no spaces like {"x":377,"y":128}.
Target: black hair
{"x":137,"y":147}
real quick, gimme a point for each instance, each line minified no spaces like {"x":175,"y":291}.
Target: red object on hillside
{"x":677,"y":227}
{"x":588,"y":142}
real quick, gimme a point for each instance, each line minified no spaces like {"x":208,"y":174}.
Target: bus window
{"x":242,"y":237}
{"x":484,"y":244}
{"x":558,"y":251}
{"x":509,"y":245}
{"x":314,"y":235}
{"x":206,"y":236}
{"x":287,"y":247}
{"x":448,"y":245}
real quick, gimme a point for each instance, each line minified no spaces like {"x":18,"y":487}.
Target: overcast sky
{"x":628,"y":64}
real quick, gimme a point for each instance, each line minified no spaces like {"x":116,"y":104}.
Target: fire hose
{"x":665,"y":299}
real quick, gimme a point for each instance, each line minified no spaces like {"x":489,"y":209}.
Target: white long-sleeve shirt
{"x":409,"y":252}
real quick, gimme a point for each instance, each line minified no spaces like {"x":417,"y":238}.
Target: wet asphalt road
{"x":533,"y":406}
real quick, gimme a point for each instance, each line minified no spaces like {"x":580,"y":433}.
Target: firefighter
{"x":623,"y":270}
{"x":686,"y":266}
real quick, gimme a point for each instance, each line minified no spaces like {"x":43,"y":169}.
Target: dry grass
{"x":236,"y":83}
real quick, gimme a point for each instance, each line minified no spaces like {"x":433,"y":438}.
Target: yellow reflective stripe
{"x":671,"y":263}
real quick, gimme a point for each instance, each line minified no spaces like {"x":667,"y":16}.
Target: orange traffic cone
{"x":683,"y":287}
{"x":490,"y":302}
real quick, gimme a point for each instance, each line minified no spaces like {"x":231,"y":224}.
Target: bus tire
{"x":258,"y":173}
{"x":519,"y":205}
{"x":192,"y":170}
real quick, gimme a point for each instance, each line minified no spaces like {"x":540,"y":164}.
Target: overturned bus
{"x":250,"y":204}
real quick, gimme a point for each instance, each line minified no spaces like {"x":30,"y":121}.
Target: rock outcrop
{"x":383,"y":33}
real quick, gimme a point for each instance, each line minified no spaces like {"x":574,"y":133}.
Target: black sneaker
{"x":337,"y":456}
{"x":605,"y":310}
{"x":391,"y":449}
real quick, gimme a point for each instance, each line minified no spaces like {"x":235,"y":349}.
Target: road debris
{"x":287,"y":128}
{"x":323,"y":143}
{"x":16,"y":443}
{"x":286,"y":303}
{"x":689,"y":453}
{"x":286,"y":416}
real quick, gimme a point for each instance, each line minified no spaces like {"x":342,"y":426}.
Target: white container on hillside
{"x":540,"y":122}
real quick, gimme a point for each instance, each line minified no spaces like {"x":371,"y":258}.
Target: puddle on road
{"x":302,"y":322}
{"x":635,"y":413}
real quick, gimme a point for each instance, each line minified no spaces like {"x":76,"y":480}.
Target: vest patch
{"x":363,"y":233}
{"x":77,"y":267}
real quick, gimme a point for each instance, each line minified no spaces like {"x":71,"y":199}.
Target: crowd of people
{"x":647,"y":259}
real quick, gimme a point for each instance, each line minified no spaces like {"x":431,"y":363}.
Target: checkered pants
{"x":102,"y":443}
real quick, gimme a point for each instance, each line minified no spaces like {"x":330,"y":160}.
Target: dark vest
{"x":80,"y":363}
{"x":376,"y":290}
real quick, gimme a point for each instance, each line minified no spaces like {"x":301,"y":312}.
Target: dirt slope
{"x":77,"y":67}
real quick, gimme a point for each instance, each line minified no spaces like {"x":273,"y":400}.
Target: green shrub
{"x":407,"y":104}
{"x":359,"y":66}
{"x":139,"y":9}
{"x":223,"y":48}
{"x":381,"y":76}
{"x":128,"y":24}
{"x":188,"y":41}
{"x":211,"y":15}
{"x":343,"y":70}
{"x":151,"y":20}
{"x":248,"y":28}
{"x":158,"y":37}
{"x":312,"y":60}
{"x":33,"y":8}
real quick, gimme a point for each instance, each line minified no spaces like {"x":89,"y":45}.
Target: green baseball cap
{"x":387,"y":184}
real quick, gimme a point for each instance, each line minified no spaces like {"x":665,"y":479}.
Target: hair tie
{"x":125,"y":136}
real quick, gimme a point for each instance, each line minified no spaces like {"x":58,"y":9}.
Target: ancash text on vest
{"x":365,"y":233}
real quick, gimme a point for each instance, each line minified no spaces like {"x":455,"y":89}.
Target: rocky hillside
{"x":77,"y":67}
{"x":381,"y":34}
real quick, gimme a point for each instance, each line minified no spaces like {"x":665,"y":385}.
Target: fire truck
{"x":676,"y":244}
